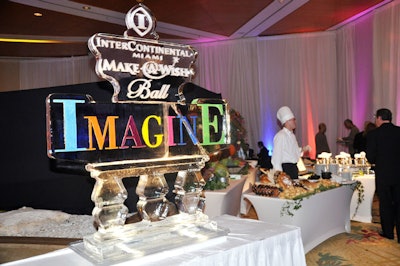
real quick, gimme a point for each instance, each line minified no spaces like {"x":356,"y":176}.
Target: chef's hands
{"x":306,"y":148}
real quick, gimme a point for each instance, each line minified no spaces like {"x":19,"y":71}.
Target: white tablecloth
{"x":320,"y":216}
{"x":245,"y":205}
{"x":364,"y":212}
{"x":250,"y":242}
{"x":251,"y":179}
{"x":225,"y":201}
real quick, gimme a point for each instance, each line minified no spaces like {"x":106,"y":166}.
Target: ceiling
{"x":65,"y":26}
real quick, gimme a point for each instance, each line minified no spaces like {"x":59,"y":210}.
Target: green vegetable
{"x":221,"y":170}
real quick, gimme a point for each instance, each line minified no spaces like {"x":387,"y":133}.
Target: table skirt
{"x":320,"y":216}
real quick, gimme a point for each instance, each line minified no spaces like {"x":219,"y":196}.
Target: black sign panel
{"x":80,"y":129}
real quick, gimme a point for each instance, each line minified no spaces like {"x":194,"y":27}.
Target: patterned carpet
{"x":362,"y":246}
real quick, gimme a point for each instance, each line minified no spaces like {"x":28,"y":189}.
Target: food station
{"x":319,"y":216}
{"x":321,"y":202}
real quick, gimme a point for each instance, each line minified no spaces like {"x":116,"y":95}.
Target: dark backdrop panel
{"x":28,"y":177}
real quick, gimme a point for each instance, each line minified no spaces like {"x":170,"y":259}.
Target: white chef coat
{"x":286,"y":149}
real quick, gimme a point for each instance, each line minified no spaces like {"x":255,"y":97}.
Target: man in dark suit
{"x":383,"y":150}
{"x":264,"y":160}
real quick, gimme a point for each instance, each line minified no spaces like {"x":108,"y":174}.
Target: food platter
{"x":279,"y":185}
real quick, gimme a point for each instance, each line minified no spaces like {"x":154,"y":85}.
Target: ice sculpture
{"x":147,"y":130}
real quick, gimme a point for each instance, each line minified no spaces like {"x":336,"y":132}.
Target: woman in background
{"x":360,"y":140}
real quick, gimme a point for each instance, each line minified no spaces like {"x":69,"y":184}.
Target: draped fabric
{"x":48,"y":72}
{"x":386,"y":58}
{"x":298,"y":71}
{"x":231,"y":68}
{"x":303,"y":79}
{"x":323,"y":77}
{"x":345,"y":83}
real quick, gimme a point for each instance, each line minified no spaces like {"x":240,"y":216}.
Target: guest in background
{"x":248,"y":152}
{"x":360,"y":140}
{"x":241,"y":150}
{"x":321,"y":143}
{"x":349,"y":140}
{"x":383,"y":148}
{"x":287,"y":152}
{"x":264,"y":160}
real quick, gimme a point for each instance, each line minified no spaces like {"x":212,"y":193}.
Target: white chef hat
{"x":284,"y":114}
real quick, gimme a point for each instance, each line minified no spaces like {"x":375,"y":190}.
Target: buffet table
{"x":320,"y":216}
{"x":225,"y":201}
{"x":364,"y":211}
{"x":250,"y":242}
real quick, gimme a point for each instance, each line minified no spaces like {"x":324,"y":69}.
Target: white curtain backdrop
{"x":345,"y":82}
{"x":230,"y":68}
{"x":298,"y":71}
{"x":386,"y":55}
{"x":49,"y":72}
{"x":303,"y":79}
{"x":323,"y":77}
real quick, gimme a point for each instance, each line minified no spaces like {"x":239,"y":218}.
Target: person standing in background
{"x":241,"y":151}
{"x":349,"y":140}
{"x":264,"y":160}
{"x":248,"y":152}
{"x":286,"y":152}
{"x":383,"y":146}
{"x":321,"y":143}
{"x":360,"y":140}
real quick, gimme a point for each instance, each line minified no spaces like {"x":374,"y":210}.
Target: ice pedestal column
{"x":116,"y":242}
{"x":152,"y":204}
{"x":108,"y":194}
{"x":188,"y":188}
{"x":151,"y":189}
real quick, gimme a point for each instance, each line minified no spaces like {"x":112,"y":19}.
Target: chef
{"x":286,"y":152}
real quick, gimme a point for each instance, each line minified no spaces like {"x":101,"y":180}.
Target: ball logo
{"x":140,"y":20}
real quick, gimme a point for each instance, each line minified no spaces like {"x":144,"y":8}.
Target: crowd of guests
{"x":355,"y":141}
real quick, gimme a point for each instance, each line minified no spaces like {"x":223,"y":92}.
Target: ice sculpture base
{"x":139,"y":240}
